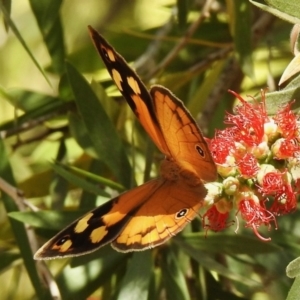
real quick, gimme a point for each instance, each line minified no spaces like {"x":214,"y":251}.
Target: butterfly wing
{"x":183,"y":137}
{"x":141,"y":218}
{"x":167,"y":211}
{"x":131,"y":87}
{"x":100,"y":226}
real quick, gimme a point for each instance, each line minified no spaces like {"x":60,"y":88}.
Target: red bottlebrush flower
{"x":272,"y":183}
{"x":247,"y":156}
{"x":248,"y":166}
{"x":255,"y":214}
{"x":250,"y":120}
{"x":287,"y":122}
{"x":216,"y":220}
{"x":297,"y":186}
{"x":222,"y":144}
{"x":284,"y":202}
{"x":286,"y":148}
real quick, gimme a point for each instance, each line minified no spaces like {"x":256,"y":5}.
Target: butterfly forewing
{"x":131,"y":87}
{"x":183,"y":136}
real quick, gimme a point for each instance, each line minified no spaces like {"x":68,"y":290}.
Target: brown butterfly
{"x":150,"y":214}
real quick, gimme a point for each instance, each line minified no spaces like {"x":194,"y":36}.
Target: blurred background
{"x":197,"y":49}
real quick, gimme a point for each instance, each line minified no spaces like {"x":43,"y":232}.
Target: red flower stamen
{"x":249,"y":119}
{"x":285,"y":201}
{"x":222,"y":144}
{"x":217,"y":221}
{"x":287,"y":121}
{"x":255,"y":215}
{"x":288,"y":148}
{"x":272,"y":183}
{"x":248,"y":166}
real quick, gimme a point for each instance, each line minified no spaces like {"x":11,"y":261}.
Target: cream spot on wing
{"x":98,"y":234}
{"x":134,"y":85}
{"x":117,"y":78}
{"x":64,"y":247}
{"x":110,"y":54}
{"x":82,"y":224}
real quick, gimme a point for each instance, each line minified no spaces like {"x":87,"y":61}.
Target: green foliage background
{"x":69,"y":145}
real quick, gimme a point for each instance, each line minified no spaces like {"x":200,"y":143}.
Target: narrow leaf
{"x":104,"y":137}
{"x":277,"y":13}
{"x":81,"y":281}
{"x":233,"y":244}
{"x":209,"y":263}
{"x":15,"y":30}
{"x":291,"y":8}
{"x":19,"y":228}
{"x":48,"y":18}
{"x":173,"y":277}
{"x":295,"y":290}
{"x":137,"y":278}
{"x":52,"y":220}
{"x":242,"y":34}
{"x":78,"y":181}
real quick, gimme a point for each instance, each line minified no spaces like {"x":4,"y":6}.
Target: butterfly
{"x":153,"y":212}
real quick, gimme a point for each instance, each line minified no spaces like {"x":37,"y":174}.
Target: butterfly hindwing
{"x":99,"y":226}
{"x":166,"y":212}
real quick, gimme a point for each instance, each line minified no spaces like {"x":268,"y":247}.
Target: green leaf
{"x":80,"y":134}
{"x":81,"y":281}
{"x":15,"y":30}
{"x":203,"y":91}
{"x":52,"y":220}
{"x":78,"y":181}
{"x":59,"y":185}
{"x":291,"y":70}
{"x":19,"y":228}
{"x":293,"y":268}
{"x":278,"y":99}
{"x":242,"y":34}
{"x":210,"y":264}
{"x":48,"y":18}
{"x":27,"y":100}
{"x":136,"y":281}
{"x":6,"y":259}
{"x":291,"y":7}
{"x":103,"y":135}
{"x":233,"y":244}
{"x":7,"y":6}
{"x":35,"y":105}
{"x":295,"y":290}
{"x":173,"y":277}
